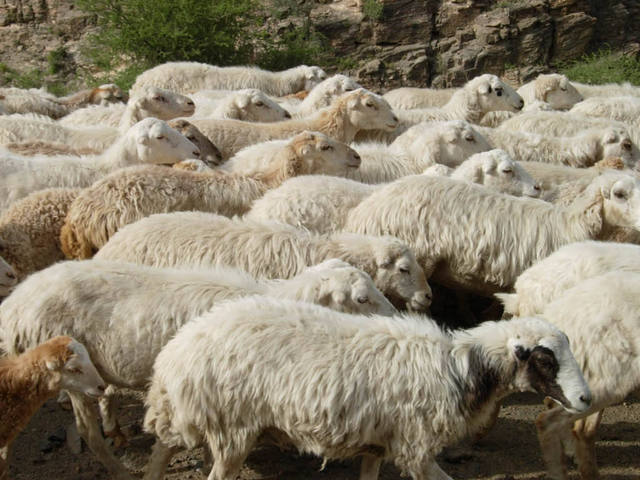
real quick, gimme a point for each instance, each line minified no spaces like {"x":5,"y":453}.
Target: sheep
{"x":495,"y":170}
{"x":130,"y":301}
{"x":267,"y":250}
{"x":149,"y":141}
{"x":322,"y":95}
{"x":209,"y":153}
{"x":624,"y":109}
{"x":189,"y":77}
{"x":607,"y":89}
{"x":581,"y":150}
{"x":8,"y":276}
{"x":36,"y":147}
{"x":571,"y":264}
{"x":321,"y":204}
{"x":449,"y":143}
{"x":495,"y":119}
{"x":407,"y":98}
{"x":483,"y":94}
{"x":249,"y":105}
{"x":17,"y":100}
{"x":30,"y":230}
{"x":552,"y":88}
{"x":30,"y":379}
{"x":473,"y":239}
{"x":349,"y":113}
{"x":149,"y":102}
{"x":600,"y":317}
{"x":131,"y":194}
{"x":397,"y":389}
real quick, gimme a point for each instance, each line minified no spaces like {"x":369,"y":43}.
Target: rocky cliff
{"x":409,"y":42}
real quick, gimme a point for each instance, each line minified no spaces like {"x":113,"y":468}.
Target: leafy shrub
{"x":604,"y":66}
{"x":373,"y":9}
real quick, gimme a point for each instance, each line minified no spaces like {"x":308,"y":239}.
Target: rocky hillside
{"x":409,"y":42}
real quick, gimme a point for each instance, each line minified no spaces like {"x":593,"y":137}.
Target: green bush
{"x":373,"y":9}
{"x":604,"y":66}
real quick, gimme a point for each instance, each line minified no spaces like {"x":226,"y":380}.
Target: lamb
{"x":267,"y":250}
{"x":149,"y":141}
{"x":571,"y":264}
{"x":28,"y":380}
{"x":358,"y":363}
{"x":149,"y":102}
{"x":249,"y":105}
{"x":209,"y":153}
{"x":321,"y":204}
{"x":8,"y":276}
{"x":550,"y":176}
{"x":131,"y":194}
{"x":600,"y":317}
{"x":348,"y":114}
{"x":407,"y":98}
{"x":17,"y":100}
{"x":30,"y":230}
{"x":582,"y":150}
{"x":607,"y":90}
{"x":129,"y":301}
{"x":189,"y":77}
{"x":322,"y":95}
{"x":473,"y":239}
{"x":552,"y":88}
{"x":625,"y":109}
{"x":448,"y":143}
{"x":495,"y":170}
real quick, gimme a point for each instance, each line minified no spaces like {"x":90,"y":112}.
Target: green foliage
{"x":603,"y":66}
{"x":373,"y":9}
{"x":58,"y":60}
{"x":30,"y":79}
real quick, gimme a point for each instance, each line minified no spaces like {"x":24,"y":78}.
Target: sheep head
{"x":333,"y":87}
{"x":368,"y":111}
{"x":8,"y":277}
{"x":158,"y":143}
{"x":312,"y":76}
{"x":496,"y":170}
{"x":255,"y":106}
{"x":345,"y":288}
{"x":616,"y":142}
{"x":621,"y":199}
{"x":316,"y":153}
{"x":209,"y":153}
{"x":107,"y":93}
{"x":71,"y":367}
{"x":557,"y":91}
{"x":492,"y":94}
{"x":164,"y":104}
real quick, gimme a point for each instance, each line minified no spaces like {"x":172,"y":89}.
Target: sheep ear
{"x":243,"y":102}
{"x":52,"y":365}
{"x":143,"y":139}
{"x":339,"y":297}
{"x":385,"y":262}
{"x":522,"y":353}
{"x":606,"y":192}
{"x":484,"y":89}
{"x":489,"y":165}
{"x":610,"y":137}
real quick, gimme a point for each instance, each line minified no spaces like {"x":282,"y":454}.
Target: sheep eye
{"x":326,"y":147}
{"x":191,"y":137}
{"x":160,"y":99}
{"x":619,"y":194}
{"x":363,"y":299}
{"x":160,"y":137}
{"x":499,"y":92}
{"x":74,"y":370}
{"x":259,"y":104}
{"x":371,"y":105}
{"x":404,"y":270}
{"x":469,"y":138}
{"x":507,"y":171}
{"x":564,"y":89}
{"x":626,"y":145}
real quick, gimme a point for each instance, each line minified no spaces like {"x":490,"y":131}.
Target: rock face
{"x":437,"y":43}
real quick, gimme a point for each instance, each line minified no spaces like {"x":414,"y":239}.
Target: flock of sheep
{"x":256,"y":233}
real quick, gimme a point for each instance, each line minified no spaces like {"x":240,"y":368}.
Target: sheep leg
{"x":207,"y":460}
{"x":486,"y":427}
{"x":229,"y":452}
{"x":108,"y":404}
{"x":4,"y":463}
{"x":159,"y":460}
{"x":87,"y":423}
{"x":370,"y":467}
{"x":434,"y":472}
{"x":549,"y":425}
{"x":584,"y":431}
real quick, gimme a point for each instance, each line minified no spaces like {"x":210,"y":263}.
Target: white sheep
{"x":8,"y":275}
{"x":571,"y":264}
{"x":448,"y":143}
{"x":607,"y":89}
{"x":321,"y":96}
{"x":495,"y":170}
{"x":189,"y":77}
{"x":17,"y":100}
{"x":600,"y":317}
{"x":407,"y":98}
{"x":624,"y":109}
{"x":495,"y":119}
{"x":148,"y":102}
{"x":349,"y":113}
{"x":30,"y":379}
{"x":550,"y":176}
{"x":249,"y":105}
{"x":149,"y":141}
{"x":392,"y":389}
{"x":552,"y":88}
{"x":474,"y":239}
{"x":131,"y":194}
{"x":267,"y":250}
{"x":209,"y":153}
{"x":132,"y":300}
{"x":582,"y":150}
{"x":30,"y":230}
{"x":321,"y":203}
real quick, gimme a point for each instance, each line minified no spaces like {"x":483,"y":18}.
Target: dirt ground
{"x":510,"y":451}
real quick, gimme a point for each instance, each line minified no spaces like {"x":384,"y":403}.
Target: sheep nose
{"x":287,"y":114}
{"x":521,"y":104}
{"x":11,"y":275}
{"x":102,"y":387}
{"x":190,"y":103}
{"x":356,"y":155}
{"x":586,"y":399}
{"x":395,"y":119}
{"x":196,"y":153}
